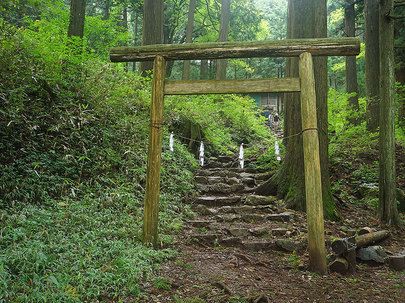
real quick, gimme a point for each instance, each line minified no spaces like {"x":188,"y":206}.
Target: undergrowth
{"x":73,"y":151}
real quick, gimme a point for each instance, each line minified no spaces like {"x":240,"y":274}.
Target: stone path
{"x":228,"y":215}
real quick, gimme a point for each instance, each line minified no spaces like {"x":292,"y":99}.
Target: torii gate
{"x":302,"y":48}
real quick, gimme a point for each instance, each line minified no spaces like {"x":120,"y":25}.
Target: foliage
{"x":338,"y":110}
{"x":73,"y":171}
{"x":226,"y":121}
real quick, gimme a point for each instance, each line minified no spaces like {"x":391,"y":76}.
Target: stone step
{"x":200,"y":223}
{"x":210,"y":180}
{"x":209,"y":239}
{"x":217,"y":201}
{"x":220,"y":188}
{"x":259,"y":245}
{"x":260,"y":200}
{"x":247,"y":209}
{"x":281,"y":217}
{"x":253,"y":218}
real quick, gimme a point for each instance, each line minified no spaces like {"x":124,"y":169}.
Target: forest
{"x":128,"y":174}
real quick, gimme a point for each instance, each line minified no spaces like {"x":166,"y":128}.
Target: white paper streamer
{"x":202,"y":154}
{"x":277,"y":148}
{"x":241,"y":156}
{"x":171,"y":142}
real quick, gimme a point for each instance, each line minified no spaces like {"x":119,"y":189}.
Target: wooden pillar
{"x":150,"y":222}
{"x":313,"y":187}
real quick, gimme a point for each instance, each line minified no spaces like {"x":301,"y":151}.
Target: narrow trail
{"x":241,"y":247}
{"x":233,"y":247}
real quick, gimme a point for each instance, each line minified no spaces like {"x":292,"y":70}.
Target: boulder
{"x":282,"y":217}
{"x":368,"y":190}
{"x":239,"y":232}
{"x":259,"y":200}
{"x":291,"y":245}
{"x":372,"y":253}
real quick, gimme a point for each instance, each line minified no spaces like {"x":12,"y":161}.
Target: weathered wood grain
{"x":151,"y":206}
{"x":313,"y":186}
{"x":232,"y":86}
{"x":249,"y":49}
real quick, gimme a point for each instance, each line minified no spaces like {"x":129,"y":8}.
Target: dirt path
{"x":241,"y":247}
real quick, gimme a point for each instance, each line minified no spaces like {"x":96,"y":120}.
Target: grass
{"x":80,"y":251}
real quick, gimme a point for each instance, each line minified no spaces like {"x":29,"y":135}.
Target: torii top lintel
{"x":249,"y":49}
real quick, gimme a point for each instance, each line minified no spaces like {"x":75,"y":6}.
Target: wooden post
{"x":150,"y":222}
{"x":313,"y":187}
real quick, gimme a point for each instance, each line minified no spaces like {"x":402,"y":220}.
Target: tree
{"x":189,"y":37}
{"x":372,"y":62}
{"x":76,"y":20}
{"x":387,"y":180}
{"x":223,"y":36}
{"x":306,"y":19}
{"x":152,"y":32}
{"x":351,"y":70}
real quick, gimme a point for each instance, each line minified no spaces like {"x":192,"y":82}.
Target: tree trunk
{"x":372,"y":63}
{"x":107,"y":10}
{"x":152,"y":27}
{"x":189,"y":37}
{"x":351,"y":70}
{"x":135,"y":35}
{"x":387,"y":180}
{"x":77,"y":15}
{"x":223,"y":36}
{"x":204,"y":70}
{"x":306,"y":19}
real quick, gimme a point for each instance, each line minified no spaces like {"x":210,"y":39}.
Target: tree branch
{"x":398,"y":4}
{"x":395,"y":17}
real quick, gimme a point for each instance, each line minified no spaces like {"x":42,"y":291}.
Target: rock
{"x":215,"y":179}
{"x":203,"y":188}
{"x":228,"y":200}
{"x":263,"y":177}
{"x":253,"y":218}
{"x":282,"y":217}
{"x":228,"y":218}
{"x":200,"y":223}
{"x":257,"y":245}
{"x":232,"y":181}
{"x":204,"y":210}
{"x":225,"y":159}
{"x":372,"y":253}
{"x":259,"y":231}
{"x":368,"y":190}
{"x":201,"y":180}
{"x":239,"y":232}
{"x":290,"y":245}
{"x":233,"y":174}
{"x":249,"y":181}
{"x":236,"y":209}
{"x":279,"y":231}
{"x":259,"y":200}
{"x":265,"y":208}
{"x":221,"y":188}
{"x":205,"y":172}
{"x":209,"y":239}
{"x":250,"y":170}
{"x":231,"y":241}
{"x":237,"y":187}
{"x":217,"y":201}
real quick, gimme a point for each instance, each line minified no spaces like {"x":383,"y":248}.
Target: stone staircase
{"x":229,"y":215}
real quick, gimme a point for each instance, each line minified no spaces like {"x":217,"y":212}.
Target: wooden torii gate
{"x":302,"y":48}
